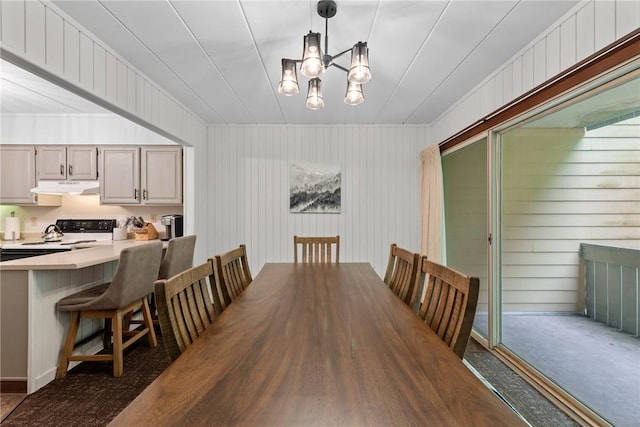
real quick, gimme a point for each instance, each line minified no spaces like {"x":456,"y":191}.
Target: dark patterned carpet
{"x":90,"y":396}
{"x":526,"y":400}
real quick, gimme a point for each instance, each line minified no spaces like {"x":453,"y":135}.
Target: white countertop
{"x":91,"y":254}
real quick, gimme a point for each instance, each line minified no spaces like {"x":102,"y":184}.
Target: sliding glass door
{"x":559,"y":282}
{"x":570,"y":247}
{"x":465,"y":204}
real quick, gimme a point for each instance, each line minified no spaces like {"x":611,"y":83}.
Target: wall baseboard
{"x":13,"y":386}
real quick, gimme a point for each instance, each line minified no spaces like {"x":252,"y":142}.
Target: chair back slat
{"x":449,"y":303}
{"x":185,"y":308}
{"x":231,"y":274}
{"x":402,"y":274}
{"x":316,"y":249}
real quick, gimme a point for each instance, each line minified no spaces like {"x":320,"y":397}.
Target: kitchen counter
{"x":87,"y":255}
{"x":32,"y":330}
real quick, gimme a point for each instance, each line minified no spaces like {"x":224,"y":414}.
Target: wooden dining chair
{"x":449,"y":304}
{"x":402,"y":274}
{"x":316,"y":249}
{"x":231,"y":275}
{"x":128,"y":290}
{"x":185,"y":308}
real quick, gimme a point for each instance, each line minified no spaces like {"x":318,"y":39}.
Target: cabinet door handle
{"x":61,"y":169}
{"x":144,"y":194}
{"x":70,"y":170}
{"x":135,"y":194}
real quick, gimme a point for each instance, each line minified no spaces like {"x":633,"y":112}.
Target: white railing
{"x":612,"y":285}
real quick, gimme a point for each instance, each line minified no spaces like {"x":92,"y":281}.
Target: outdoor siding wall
{"x":561,"y":189}
{"x":587,"y":28}
{"x":249,"y":189}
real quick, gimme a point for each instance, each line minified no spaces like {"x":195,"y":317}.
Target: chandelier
{"x":314,"y":63}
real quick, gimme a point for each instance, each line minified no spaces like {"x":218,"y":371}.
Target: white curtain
{"x":431,"y":204}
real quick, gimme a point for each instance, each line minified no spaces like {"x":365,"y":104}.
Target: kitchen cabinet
{"x":119,"y":175}
{"x":161,"y":173}
{"x":18,"y":177}
{"x":54,"y":162}
{"x":140,"y":175}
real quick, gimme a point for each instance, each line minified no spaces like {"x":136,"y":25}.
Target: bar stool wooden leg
{"x":67,"y":350}
{"x":118,"y":365}
{"x":106,"y":336}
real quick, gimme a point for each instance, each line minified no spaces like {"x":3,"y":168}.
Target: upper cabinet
{"x":119,"y":175}
{"x":17,"y":174}
{"x":161,"y":173}
{"x":55,"y":162}
{"x":147,"y":175}
{"x":18,"y":177}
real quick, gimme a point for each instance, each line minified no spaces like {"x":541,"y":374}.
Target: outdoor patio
{"x":597,"y":364}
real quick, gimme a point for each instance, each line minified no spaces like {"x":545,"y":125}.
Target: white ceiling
{"x":221,"y":58}
{"x":22,"y":92}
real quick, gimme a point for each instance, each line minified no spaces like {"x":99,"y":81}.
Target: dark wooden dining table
{"x":318,"y":345}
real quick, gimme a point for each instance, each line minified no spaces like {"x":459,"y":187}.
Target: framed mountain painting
{"x":314,"y":187}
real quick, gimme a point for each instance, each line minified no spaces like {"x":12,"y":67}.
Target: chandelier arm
{"x":339,"y":66}
{"x":341,"y":53}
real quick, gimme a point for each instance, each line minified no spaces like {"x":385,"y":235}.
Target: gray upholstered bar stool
{"x":131,"y":284}
{"x":177,"y":258}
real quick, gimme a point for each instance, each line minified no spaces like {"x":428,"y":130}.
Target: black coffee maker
{"x":172,"y":225}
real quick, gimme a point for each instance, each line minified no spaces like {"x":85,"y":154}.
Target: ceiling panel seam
{"x":158,"y":58}
{"x":8,"y":83}
{"x":264,"y":69}
{"x":450,"y":74}
{"x":415,"y":56}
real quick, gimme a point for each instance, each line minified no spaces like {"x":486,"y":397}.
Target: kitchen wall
{"x":70,"y":129}
{"x":248,"y":182}
{"x":34,"y":219}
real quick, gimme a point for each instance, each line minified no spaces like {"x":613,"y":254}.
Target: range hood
{"x":67,"y":187}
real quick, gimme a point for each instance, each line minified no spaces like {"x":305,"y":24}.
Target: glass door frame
{"x":572,"y":406}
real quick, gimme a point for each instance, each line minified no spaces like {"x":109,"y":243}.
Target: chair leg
{"x":118,"y":365}
{"x":106,"y":336}
{"x":126,"y":321}
{"x":74,"y":324}
{"x":148,"y":321}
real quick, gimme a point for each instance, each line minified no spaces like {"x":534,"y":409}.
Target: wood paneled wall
{"x":248,"y":185}
{"x":587,"y":28}
{"x":48,"y":41}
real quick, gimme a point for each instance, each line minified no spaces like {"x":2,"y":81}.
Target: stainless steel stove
{"x":75,"y":231}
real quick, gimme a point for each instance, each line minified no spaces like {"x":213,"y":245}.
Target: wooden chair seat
{"x":316,"y":249}
{"x":185,"y":308}
{"x":132,"y":283}
{"x":449,"y":304}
